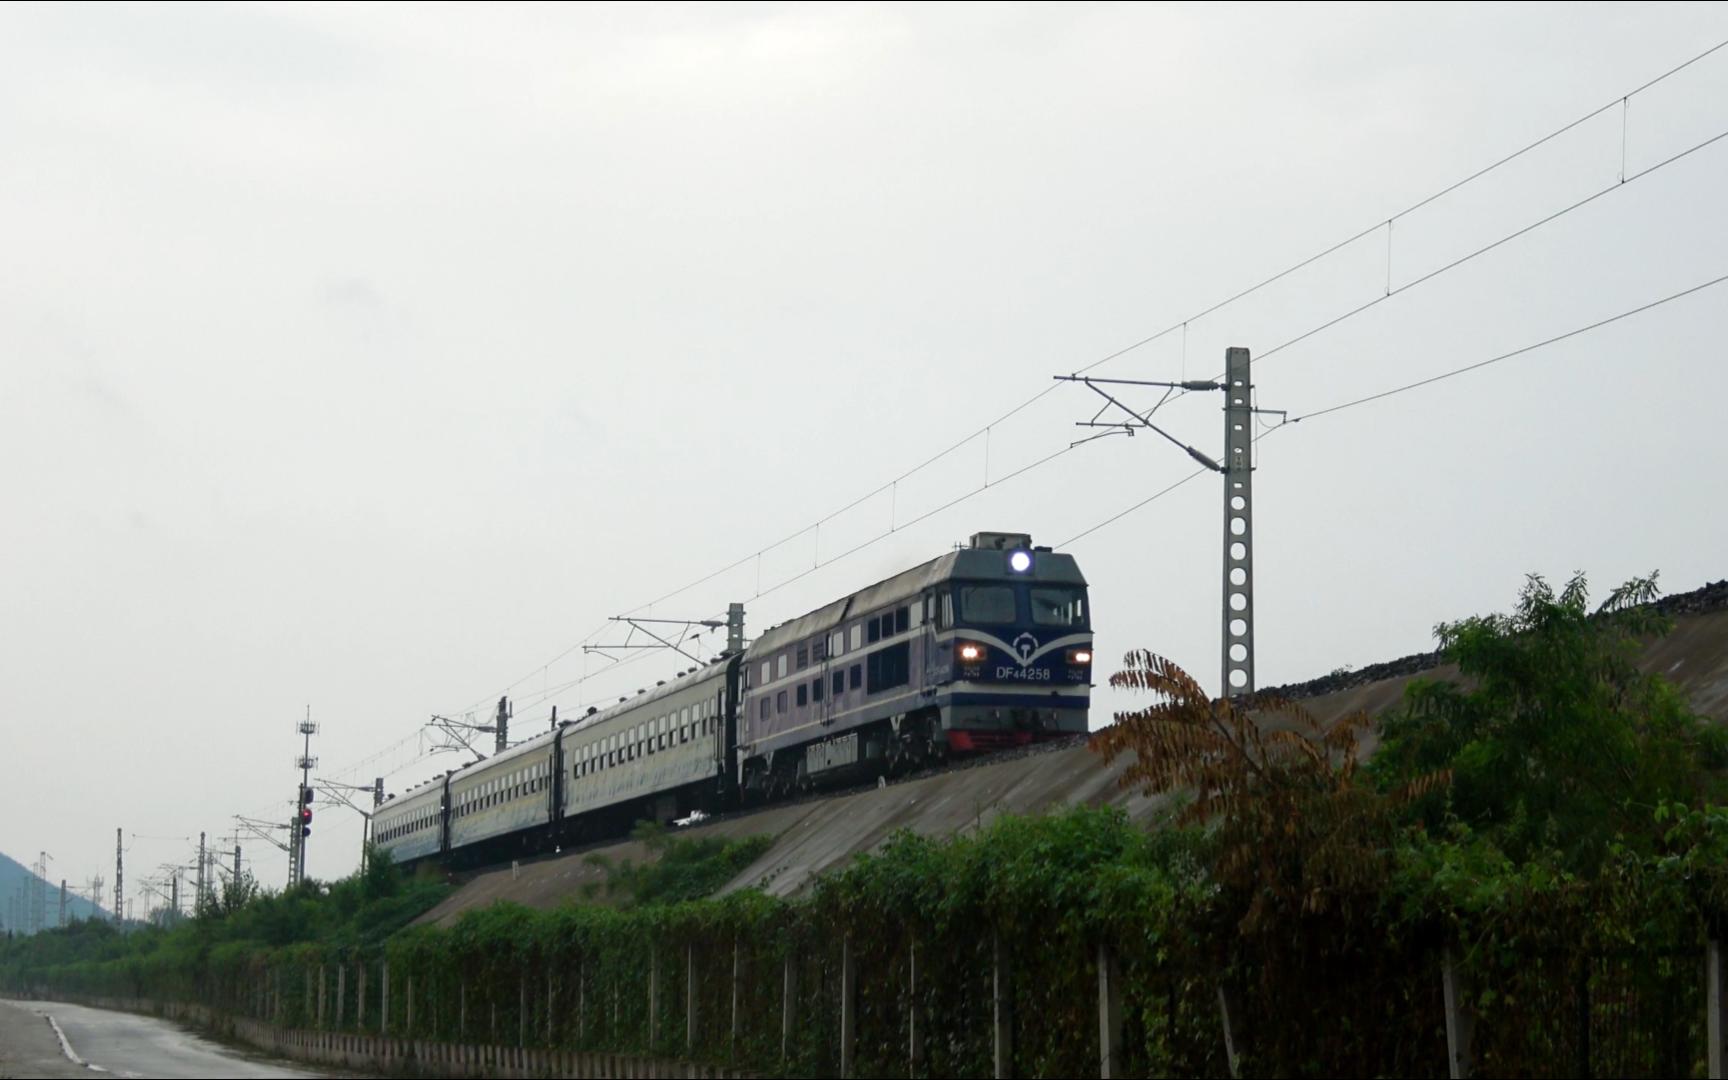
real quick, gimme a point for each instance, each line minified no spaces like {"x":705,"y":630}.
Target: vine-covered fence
{"x":782,"y":998}
{"x":1068,"y":946}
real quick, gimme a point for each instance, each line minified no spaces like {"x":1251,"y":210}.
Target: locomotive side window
{"x":875,"y":633}
{"x":839,"y":683}
{"x":781,"y":669}
{"x":816,"y":690}
{"x":762,"y":712}
{"x":780,"y":702}
{"x":858,"y":636}
{"x":855,"y":678}
{"x":888,"y":668}
{"x":803,"y":657}
{"x":902,"y":618}
{"x":986,"y":603}
{"x":765,"y":675}
{"x":945,"y":615}
{"x":803,"y":695}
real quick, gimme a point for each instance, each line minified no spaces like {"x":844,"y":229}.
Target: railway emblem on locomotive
{"x":1024,"y":646}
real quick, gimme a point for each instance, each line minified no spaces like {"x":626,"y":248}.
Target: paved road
{"x":119,"y":1043}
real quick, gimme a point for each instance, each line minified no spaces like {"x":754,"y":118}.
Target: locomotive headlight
{"x":1079,"y":656}
{"x":970,"y":652}
{"x":1020,"y":561}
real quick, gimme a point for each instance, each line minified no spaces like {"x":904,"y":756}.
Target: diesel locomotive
{"x":984,"y":647}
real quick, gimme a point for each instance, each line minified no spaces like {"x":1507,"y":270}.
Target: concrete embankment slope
{"x":816,"y":835}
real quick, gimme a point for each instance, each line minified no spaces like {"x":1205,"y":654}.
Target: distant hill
{"x":16,"y":885}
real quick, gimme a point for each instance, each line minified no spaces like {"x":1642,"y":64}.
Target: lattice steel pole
{"x":1238,"y":621}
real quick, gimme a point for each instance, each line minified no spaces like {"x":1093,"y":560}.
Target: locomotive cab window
{"x":1058,"y":607}
{"x":988,"y":604}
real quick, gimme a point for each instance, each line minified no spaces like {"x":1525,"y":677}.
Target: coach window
{"x":803,"y":657}
{"x":803,"y":695}
{"x":858,"y":636}
{"x":762,"y":708}
{"x":780,"y":669}
{"x":836,"y":643}
{"x":875,"y":633}
{"x":765,"y":675}
{"x":780,"y":702}
{"x":855,"y":678}
{"x":816,"y":690}
{"x":839,"y":686}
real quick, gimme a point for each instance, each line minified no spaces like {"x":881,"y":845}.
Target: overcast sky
{"x":369,"y":357}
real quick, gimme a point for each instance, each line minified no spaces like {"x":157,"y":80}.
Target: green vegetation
{"x":683,"y":867}
{"x":1552,"y":820}
{"x":355,"y":915}
{"x":1558,"y":746}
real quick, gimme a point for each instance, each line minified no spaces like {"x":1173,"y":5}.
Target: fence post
{"x":1716,"y":1009}
{"x":737,"y":993}
{"x":320,"y":996}
{"x":384,"y":1010}
{"x":1109,"y":1014}
{"x":341,"y":992}
{"x":1230,"y":1052}
{"x":551,"y":1003}
{"x":582,"y":999}
{"x":360,"y":1005}
{"x":848,"y":1010}
{"x":914,"y":1036}
{"x":1582,"y":995}
{"x":1460,"y":1022}
{"x":462,"y":1009}
{"x":408,"y":1023}
{"x":788,"y":1006}
{"x":1004,"y":1013}
{"x":653,"y":997}
{"x":690,"y":998}
{"x":522,"y":1011}
{"x":306,"y":1010}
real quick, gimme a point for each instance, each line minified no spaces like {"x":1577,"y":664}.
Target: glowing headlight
{"x":1079,"y":656}
{"x":971,"y":653}
{"x":1020,"y":561}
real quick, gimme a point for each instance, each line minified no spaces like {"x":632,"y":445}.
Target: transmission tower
{"x":298,"y":831}
{"x":119,"y":882}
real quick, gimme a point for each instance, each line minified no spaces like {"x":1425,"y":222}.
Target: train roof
{"x":712,"y":669}
{"x":963,"y":564}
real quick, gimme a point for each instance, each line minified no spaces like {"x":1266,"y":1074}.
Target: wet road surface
{"x":126,"y":1045}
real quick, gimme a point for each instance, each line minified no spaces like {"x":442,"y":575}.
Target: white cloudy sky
{"x":368,"y":357}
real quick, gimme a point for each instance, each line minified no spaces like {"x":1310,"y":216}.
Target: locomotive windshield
{"x":1058,"y":607}
{"x":986,"y":603}
{"x":1004,"y":605}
